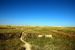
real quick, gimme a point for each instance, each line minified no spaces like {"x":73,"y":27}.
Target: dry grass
{"x":63,"y":38}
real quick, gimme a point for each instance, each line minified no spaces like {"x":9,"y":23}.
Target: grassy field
{"x":63,"y":38}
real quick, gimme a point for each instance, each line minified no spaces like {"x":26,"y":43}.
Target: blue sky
{"x":37,"y":12}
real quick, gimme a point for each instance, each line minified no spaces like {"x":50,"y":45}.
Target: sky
{"x":37,"y":12}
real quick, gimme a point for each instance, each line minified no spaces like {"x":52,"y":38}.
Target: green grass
{"x":63,"y":39}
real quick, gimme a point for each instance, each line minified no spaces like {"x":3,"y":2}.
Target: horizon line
{"x":34,"y":25}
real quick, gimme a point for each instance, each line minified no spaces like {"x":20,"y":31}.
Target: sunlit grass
{"x":63,"y":38}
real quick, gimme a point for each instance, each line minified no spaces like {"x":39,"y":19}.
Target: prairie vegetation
{"x":63,"y":38}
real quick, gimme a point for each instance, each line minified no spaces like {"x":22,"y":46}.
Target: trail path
{"x":26,"y":44}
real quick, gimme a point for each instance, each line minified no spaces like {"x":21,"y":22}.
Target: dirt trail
{"x":26,"y":44}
